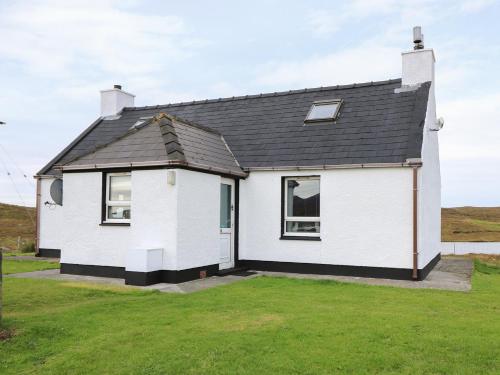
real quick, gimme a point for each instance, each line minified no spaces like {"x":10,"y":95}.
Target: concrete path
{"x":187,"y":287}
{"x":449,"y":274}
{"x":197,"y":285}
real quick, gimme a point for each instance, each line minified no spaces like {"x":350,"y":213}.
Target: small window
{"x":118,"y":195}
{"x":302,"y":203}
{"x":225,"y":206}
{"x":326,"y":110}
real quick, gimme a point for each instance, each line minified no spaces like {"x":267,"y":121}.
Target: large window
{"x":118,"y":193}
{"x":302,"y":201}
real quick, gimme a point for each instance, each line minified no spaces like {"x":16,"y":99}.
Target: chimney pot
{"x":119,"y":87}
{"x":418,"y":38}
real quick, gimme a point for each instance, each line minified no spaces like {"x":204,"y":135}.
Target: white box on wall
{"x":144,"y":260}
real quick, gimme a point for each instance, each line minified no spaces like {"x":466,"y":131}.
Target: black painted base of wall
{"x":331,"y":269}
{"x":422,"y":273}
{"x":175,"y":277}
{"x":141,"y":278}
{"x":91,"y":270}
{"x":49,"y":253}
{"x":169,"y":276}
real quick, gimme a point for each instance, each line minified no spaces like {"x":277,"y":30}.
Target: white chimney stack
{"x":418,"y":67}
{"x":418,"y":64}
{"x":113,"y":101}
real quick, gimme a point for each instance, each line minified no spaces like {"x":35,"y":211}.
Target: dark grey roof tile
{"x":375,"y":125}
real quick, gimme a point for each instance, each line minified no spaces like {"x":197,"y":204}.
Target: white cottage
{"x":338,"y":180}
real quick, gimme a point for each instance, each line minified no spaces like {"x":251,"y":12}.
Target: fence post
{"x":1,"y":288}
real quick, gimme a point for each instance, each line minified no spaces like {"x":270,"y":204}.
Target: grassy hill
{"x":15,"y":222}
{"x":478,"y":224}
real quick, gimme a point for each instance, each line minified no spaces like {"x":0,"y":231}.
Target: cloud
{"x":472,"y":128}
{"x":324,"y":22}
{"x":472,"y":6}
{"x":58,"y":38}
{"x":365,"y":62}
{"x":327,"y":21}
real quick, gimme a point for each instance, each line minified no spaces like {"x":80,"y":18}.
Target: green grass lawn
{"x":18,"y":266}
{"x":257,"y":326}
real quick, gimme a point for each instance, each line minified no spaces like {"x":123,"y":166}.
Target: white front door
{"x":226,"y":224}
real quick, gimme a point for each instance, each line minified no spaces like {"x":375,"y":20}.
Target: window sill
{"x":300,"y":238}
{"x":115,"y":224}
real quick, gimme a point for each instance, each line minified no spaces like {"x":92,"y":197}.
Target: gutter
{"x":415,"y":167}
{"x":408,"y":163}
{"x":163,"y":163}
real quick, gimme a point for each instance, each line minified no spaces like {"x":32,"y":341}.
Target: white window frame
{"x":116,"y":203}
{"x":299,"y":218}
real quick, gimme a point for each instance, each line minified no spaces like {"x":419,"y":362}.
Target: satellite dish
{"x":56,"y":191}
{"x":438,"y":125}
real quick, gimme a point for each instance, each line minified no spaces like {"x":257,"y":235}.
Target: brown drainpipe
{"x":415,"y":223}
{"x":37,"y":229}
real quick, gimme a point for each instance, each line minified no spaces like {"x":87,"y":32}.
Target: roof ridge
{"x":263,"y":95}
{"x":171,"y":142}
{"x":186,"y":122}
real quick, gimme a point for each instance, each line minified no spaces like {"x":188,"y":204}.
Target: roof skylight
{"x":140,"y":122}
{"x":324,"y":110}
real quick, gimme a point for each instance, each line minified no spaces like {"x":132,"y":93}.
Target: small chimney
{"x":418,"y":67}
{"x":113,"y":101}
{"x":418,"y":64}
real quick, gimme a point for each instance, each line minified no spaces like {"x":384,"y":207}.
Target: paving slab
{"x":449,"y":274}
{"x":187,"y":287}
{"x":200,"y":284}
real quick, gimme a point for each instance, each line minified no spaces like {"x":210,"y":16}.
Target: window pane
{"x":322,"y":111}
{"x":118,"y":212}
{"x":303,"y":198}
{"x":225,"y":206}
{"x":302,"y":226}
{"x":119,"y":188}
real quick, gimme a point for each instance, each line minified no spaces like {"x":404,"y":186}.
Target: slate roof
{"x":165,"y":138}
{"x":376,"y":124}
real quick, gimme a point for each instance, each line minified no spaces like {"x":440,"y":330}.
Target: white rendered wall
{"x":153,"y":215}
{"x":429,"y":223}
{"x":418,"y":67}
{"x":366,"y":218}
{"x":51,"y":217}
{"x":462,"y":248}
{"x":182,"y":219}
{"x":84,"y":240}
{"x":198,"y":232}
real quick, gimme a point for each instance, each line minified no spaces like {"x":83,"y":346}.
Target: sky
{"x":56,"y":55}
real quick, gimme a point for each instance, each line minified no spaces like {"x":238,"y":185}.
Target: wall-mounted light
{"x":171,"y":178}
